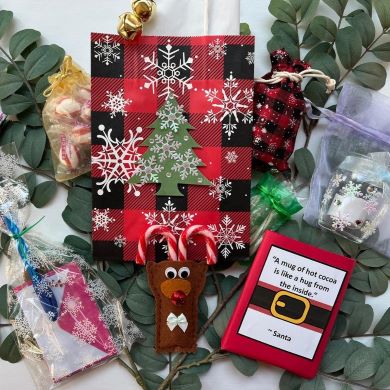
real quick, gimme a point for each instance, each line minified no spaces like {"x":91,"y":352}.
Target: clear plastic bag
{"x":67,"y":120}
{"x":352,"y":165}
{"x":65,"y":318}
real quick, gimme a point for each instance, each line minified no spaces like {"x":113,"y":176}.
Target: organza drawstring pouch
{"x":65,"y":319}
{"x":349,"y":191}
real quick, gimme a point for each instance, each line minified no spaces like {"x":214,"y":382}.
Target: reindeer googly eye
{"x":170,"y":273}
{"x":184,"y":272}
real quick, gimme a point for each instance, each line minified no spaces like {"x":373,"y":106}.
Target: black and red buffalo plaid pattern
{"x":212,"y":77}
{"x":278,"y":110}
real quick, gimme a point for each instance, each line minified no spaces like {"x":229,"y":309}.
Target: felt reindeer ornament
{"x":176,"y":286}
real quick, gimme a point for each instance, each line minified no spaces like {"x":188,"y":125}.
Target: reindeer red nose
{"x":177,"y":297}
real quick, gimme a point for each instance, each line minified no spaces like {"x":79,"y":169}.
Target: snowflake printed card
{"x":171,"y":140}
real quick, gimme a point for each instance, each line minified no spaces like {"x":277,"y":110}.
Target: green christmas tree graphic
{"x":170,"y":159}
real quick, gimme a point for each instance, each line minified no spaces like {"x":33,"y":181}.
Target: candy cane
{"x":144,"y":240}
{"x":198,"y":230}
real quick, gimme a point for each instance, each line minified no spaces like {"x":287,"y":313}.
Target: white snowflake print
{"x":70,"y":278}
{"x":228,"y":235}
{"x":250,"y":57}
{"x":352,"y":189}
{"x":117,"y":160}
{"x":186,"y":164}
{"x":21,"y":326}
{"x":8,"y":164}
{"x":109,"y":315}
{"x":97,"y":289}
{"x":41,"y":287}
{"x":368,"y":229}
{"x":85,"y":331}
{"x":170,"y":72}
{"x":148,"y":169}
{"x":106,"y":50}
{"x":120,"y":241}
{"x":220,"y":188}
{"x":328,"y":195}
{"x":101,"y":219}
{"x":217,"y":49}
{"x":116,"y":103}
{"x":272,"y":147}
{"x":72,"y":305}
{"x":371,"y":206}
{"x":337,"y":179}
{"x":177,"y":221}
{"x":171,"y":116}
{"x":231,"y":157}
{"x":372,"y":193}
{"x":230,"y":103}
{"x":340,"y":222}
{"x":165,"y":146}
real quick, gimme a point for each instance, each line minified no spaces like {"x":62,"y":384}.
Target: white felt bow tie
{"x":180,"y":321}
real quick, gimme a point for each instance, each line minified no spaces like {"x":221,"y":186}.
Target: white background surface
{"x":68,"y":23}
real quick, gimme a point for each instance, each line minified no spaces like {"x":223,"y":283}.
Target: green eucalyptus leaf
{"x":359,"y":281}
{"x":335,"y":356}
{"x":367,"y":4}
{"x":350,"y":248}
{"x":278,"y":41}
{"x":84,"y":181}
{"x":9,"y":84}
{"x":360,"y":320}
{"x":383,"y":326}
{"x":351,"y":298}
{"x":340,"y":326}
{"x":142,"y":319}
{"x":75,"y":221}
{"x":372,"y":259}
{"x":141,"y":304}
{"x":203,"y":307}
{"x":21,"y":40}
{"x":149,"y":332}
{"x":246,"y":366}
{"x":363,"y":25}
{"x":337,"y":5}
{"x":5,"y":21}
{"x":290,"y":229}
{"x":346,"y":386}
{"x":348,"y":46}
{"x":371,"y":75}
{"x":326,"y":63}
{"x":309,"y":39}
{"x":282,"y":10}
{"x":4,"y":64}
{"x":324,"y":28}
{"x":78,"y":243}
{"x":47,"y":162}
{"x":315,"y":91}
{"x":186,"y":382}
{"x":289,"y":381}
{"x":4,"y":301}
{"x":297,"y":4}
{"x":111,"y":283}
{"x":14,"y":132}
{"x":80,"y":199}
{"x":285,"y":30}
{"x":383,"y":346}
{"x":9,"y":350}
{"x":212,"y":337}
{"x":123,"y":270}
{"x":383,"y":10}
{"x":15,"y":104}
{"x":40,"y":61}
{"x":210,"y":288}
{"x":148,"y":358}
{"x":382,"y":51}
{"x":60,"y":54}
{"x":378,"y":282}
{"x":245,"y":29}
{"x":305,"y":163}
{"x":199,"y":354}
{"x":44,"y":192}
{"x":382,"y":376}
{"x":386,"y":270}
{"x":142,"y":283}
{"x":320,"y":49}
{"x":314,"y":384}
{"x":41,"y":86}
{"x":30,"y":178}
{"x":30,"y":118}
{"x":362,"y":364}
{"x":34,"y":147}
{"x":152,"y":381}
{"x":309,"y":8}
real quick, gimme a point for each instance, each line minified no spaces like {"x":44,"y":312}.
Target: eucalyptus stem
{"x":134,"y":368}
{"x":212,"y":356}
{"x":360,"y":336}
{"x":4,"y":325}
{"x":124,"y":364}
{"x":25,"y":81}
{"x":217,"y":285}
{"x":345,"y":381}
{"x":43,"y":173}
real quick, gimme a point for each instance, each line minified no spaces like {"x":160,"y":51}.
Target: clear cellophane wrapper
{"x":65,"y":318}
{"x":67,"y":121}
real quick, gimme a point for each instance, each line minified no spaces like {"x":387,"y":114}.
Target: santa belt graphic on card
{"x":290,"y":307}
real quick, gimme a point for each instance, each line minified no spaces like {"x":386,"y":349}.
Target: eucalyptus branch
{"x":43,"y":173}
{"x":173,"y":372}
{"x":360,"y":336}
{"x":212,"y":356}
{"x":345,"y":381}
{"x":217,"y":285}
{"x":134,"y":368}
{"x":25,"y":81}
{"x":124,"y":364}
{"x":4,"y":325}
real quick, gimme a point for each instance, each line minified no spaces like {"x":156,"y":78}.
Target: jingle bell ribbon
{"x":173,"y":321}
{"x":41,"y":288}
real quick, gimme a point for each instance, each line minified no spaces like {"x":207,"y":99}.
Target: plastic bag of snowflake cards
{"x":65,"y":318}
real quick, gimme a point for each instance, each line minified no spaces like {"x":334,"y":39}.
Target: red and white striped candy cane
{"x":198,"y":230}
{"x":144,"y":240}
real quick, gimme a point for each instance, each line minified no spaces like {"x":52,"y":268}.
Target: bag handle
{"x":202,"y":231}
{"x":144,"y":240}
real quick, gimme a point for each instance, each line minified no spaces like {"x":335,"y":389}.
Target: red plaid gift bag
{"x":171,"y":140}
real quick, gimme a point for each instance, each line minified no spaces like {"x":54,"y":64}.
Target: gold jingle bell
{"x":130,"y":26}
{"x":144,"y":9}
